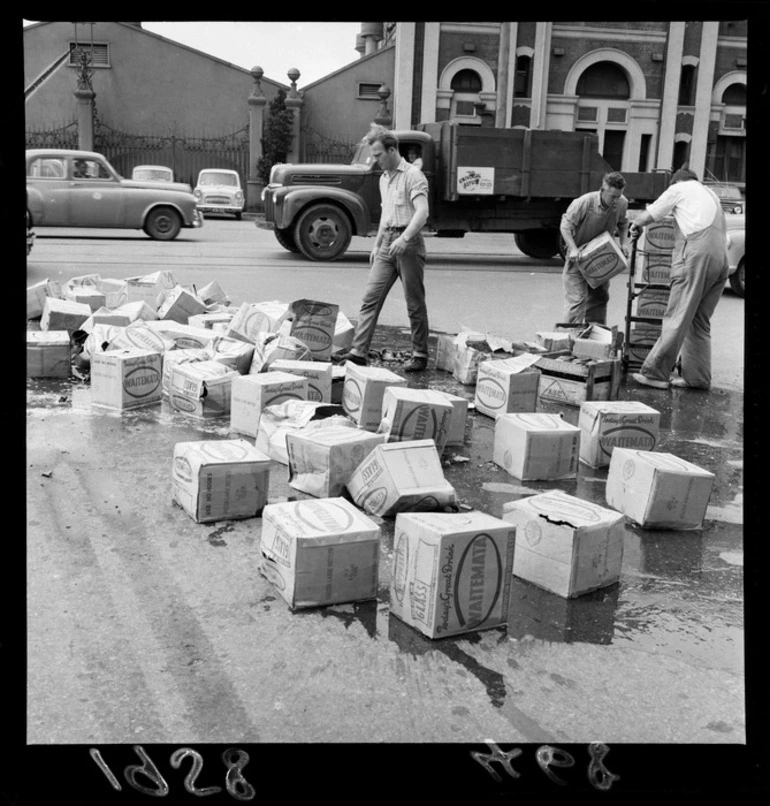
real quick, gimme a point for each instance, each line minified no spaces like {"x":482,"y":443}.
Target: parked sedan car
{"x":219,"y":191}
{"x":736,"y":242}
{"x":67,"y":188}
{"x":152,"y":173}
{"x":730,"y":197}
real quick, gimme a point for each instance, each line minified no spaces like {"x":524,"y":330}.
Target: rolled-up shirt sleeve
{"x":664,"y":204}
{"x":416,"y":183}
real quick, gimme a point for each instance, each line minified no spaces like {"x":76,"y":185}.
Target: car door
{"x":48,"y":191}
{"x":96,"y":195}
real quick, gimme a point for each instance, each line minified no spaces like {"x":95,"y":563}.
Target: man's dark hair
{"x":383,"y":135}
{"x":683,"y":175}
{"x":614,"y":180}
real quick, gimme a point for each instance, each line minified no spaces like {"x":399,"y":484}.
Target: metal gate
{"x":66,"y":136}
{"x":318,"y":147}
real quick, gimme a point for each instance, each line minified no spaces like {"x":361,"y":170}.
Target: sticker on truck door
{"x":475,"y":181}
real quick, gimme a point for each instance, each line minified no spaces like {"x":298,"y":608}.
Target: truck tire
{"x":162,"y":224}
{"x":285,"y":237}
{"x":322,"y":232}
{"x":538,"y":243}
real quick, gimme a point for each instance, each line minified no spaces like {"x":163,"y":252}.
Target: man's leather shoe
{"x":417,"y":363}
{"x":353,"y":358}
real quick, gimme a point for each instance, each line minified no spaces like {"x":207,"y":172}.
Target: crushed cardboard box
{"x":363,"y":392}
{"x":451,"y":571}
{"x":564,"y":544}
{"x":48,"y":354}
{"x":214,"y":480}
{"x":138,"y":334}
{"x":201,"y":389}
{"x":658,"y":490}
{"x":219,"y":320}
{"x":401,"y":477}
{"x":322,"y":461}
{"x":63,"y":314}
{"x":507,"y":385}
{"x":461,"y":353}
{"x":606,"y":425}
{"x":412,"y":414}
{"x":320,"y":552}
{"x":251,"y":394}
{"x":212,"y":293}
{"x":126,"y":379}
{"x":172,"y":357}
{"x":37,"y":295}
{"x":536,"y":446}
{"x":271,"y":347}
{"x":554,"y":340}
{"x":318,"y":374}
{"x":179,"y":305}
{"x":233,"y":353}
{"x":91,"y":297}
{"x":598,"y":341}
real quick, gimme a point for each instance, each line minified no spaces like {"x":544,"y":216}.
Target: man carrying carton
{"x":587,"y":217}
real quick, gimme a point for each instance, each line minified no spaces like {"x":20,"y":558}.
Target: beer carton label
{"x":600,"y":259}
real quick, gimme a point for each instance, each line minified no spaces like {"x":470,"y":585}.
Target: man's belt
{"x":395,"y":229}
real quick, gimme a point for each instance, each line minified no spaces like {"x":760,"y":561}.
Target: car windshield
{"x":217,"y":178}
{"x":152,"y":175}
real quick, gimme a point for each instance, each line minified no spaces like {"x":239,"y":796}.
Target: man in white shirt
{"x":699,"y":268}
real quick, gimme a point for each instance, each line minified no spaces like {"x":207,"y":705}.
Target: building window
{"x":612,"y":148}
{"x":587,"y":113}
{"x":466,"y":81}
{"x":603,"y":80}
{"x":466,"y":86}
{"x":100,"y":54}
{"x":616,"y":114}
{"x":734,"y":95}
{"x":368,"y":90}
{"x":687,"y":85}
{"x":522,"y":86}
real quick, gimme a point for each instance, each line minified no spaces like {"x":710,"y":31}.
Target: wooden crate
{"x":573,"y":383}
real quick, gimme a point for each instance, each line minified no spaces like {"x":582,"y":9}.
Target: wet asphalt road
{"x":145,"y":627}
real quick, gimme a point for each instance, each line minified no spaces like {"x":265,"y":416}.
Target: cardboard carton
{"x":343,"y":334}
{"x":104,"y":316}
{"x":314,"y":323}
{"x":173,"y":357}
{"x":208,"y":320}
{"x":456,"y":434}
{"x":318,"y":374}
{"x":597,"y":341}
{"x":652,"y":302}
{"x":232,"y":353}
{"x":320,"y":552}
{"x":114,"y":292}
{"x":600,"y":259}
{"x":126,"y":379}
{"x":658,"y":490}
{"x":554,"y":340}
{"x":213,"y":293}
{"x":63,"y":314}
{"x":84,"y":282}
{"x":37,"y":295}
{"x":411,"y":414}
{"x":216,"y":480}
{"x":272,"y":347}
{"x":606,"y":425}
{"x":565,"y":544}
{"x":150,"y":288}
{"x":658,"y":236}
{"x":536,"y":446}
{"x":462,"y":353}
{"x":139,"y":335}
{"x":99,"y":339}
{"x":137,"y":311}
{"x":572,"y":380}
{"x":252,"y":393}
{"x":363,"y":391}
{"x":183,"y":336}
{"x":202,"y":389}
{"x":338,"y":383}
{"x":401,"y":477}
{"x":451,"y":572}
{"x":322,"y":461}
{"x":48,"y":354}
{"x":506,"y":385}
{"x":656,"y":268}
{"x":279,"y":420}
{"x":254,"y":318}
{"x":91,"y":297}
{"x":179,"y":305}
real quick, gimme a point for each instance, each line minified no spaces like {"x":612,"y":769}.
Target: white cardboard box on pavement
{"x":172,"y":357}
{"x":254,"y":318}
{"x":314,"y":323}
{"x":179,"y":305}
{"x":63,"y":314}
{"x":320,"y":552}
{"x":48,"y":354}
{"x":456,"y":435}
{"x":658,"y":490}
{"x":220,"y":479}
{"x":533,"y":446}
{"x":318,"y":373}
{"x":451,"y":571}
{"x":401,"y":477}
{"x":202,"y":389}
{"x":363,"y":392}
{"x":609,"y":424}
{"x":507,"y":385}
{"x":565,"y":544}
{"x":252,"y":393}
{"x":410,"y":414}
{"x":126,"y":379}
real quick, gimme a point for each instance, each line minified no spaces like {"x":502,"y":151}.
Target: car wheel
{"x":737,"y":280}
{"x":163,"y":224}
{"x":238,"y":216}
{"x":322,"y":232}
{"x":285,"y":237}
{"x":538,"y":243}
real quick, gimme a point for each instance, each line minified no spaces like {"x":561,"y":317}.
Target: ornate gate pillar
{"x":257,"y":103}
{"x":85,"y":119}
{"x":294,"y":102}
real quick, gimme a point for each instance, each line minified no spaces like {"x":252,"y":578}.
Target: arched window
{"x":687,"y":85}
{"x":522,"y":87}
{"x":466,"y":81}
{"x":604,"y":80}
{"x":735,"y":95}
{"x":466,"y":86}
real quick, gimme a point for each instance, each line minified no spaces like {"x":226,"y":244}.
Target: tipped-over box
{"x":37,"y":295}
{"x":126,"y":379}
{"x":507,"y":385}
{"x":401,"y":477}
{"x":63,"y":314}
{"x":410,"y":414}
{"x":565,"y":544}
{"x":606,"y":425}
{"x":451,"y":571}
{"x":456,"y":435}
{"x":320,"y":552}
{"x":254,"y":318}
{"x":252,"y":393}
{"x":313,"y":323}
{"x":139,"y":335}
{"x":318,"y":374}
{"x":233,"y":353}
{"x":179,"y":305}
{"x":322,"y":461}
{"x":600,"y":259}
{"x":363,"y":392}
{"x":48,"y":354}
{"x":202,"y":389}
{"x":658,"y":490}
{"x":183,"y":336}
{"x":172,"y":357}
{"x":272,"y":347}
{"x":212,"y":319}
{"x":536,"y":446}
{"x":150,"y":288}
{"x":216,"y":480}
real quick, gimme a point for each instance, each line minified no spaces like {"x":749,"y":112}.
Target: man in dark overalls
{"x":699,"y":269}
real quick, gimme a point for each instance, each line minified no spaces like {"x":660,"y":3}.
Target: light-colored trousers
{"x":581,"y":302}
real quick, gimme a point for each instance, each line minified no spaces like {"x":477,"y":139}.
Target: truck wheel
{"x":322,"y":232}
{"x":285,"y":237}
{"x":163,"y":224}
{"x":538,"y":243}
{"x":738,"y":280}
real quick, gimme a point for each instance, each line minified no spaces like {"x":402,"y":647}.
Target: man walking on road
{"x":398,"y":253}
{"x":587,"y":217}
{"x":699,"y":269}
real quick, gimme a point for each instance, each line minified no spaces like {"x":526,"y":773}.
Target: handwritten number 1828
{"x":234,"y":759}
